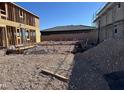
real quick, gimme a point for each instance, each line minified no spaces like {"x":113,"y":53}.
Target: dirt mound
{"x":91,"y":67}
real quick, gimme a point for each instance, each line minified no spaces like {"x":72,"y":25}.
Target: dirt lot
{"x":98,"y":68}
{"x":23,"y":71}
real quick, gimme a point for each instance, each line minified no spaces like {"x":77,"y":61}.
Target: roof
{"x":106,"y":6}
{"x":68,"y":28}
{"x":24,"y":9}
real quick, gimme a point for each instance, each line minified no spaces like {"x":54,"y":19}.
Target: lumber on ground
{"x":60,"y":77}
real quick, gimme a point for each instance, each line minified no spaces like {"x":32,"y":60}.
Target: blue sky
{"x":63,"y":13}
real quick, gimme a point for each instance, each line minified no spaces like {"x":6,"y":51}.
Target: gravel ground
{"x":57,"y":42}
{"x":50,"y":49}
{"x":19,"y":71}
{"x":101,"y":67}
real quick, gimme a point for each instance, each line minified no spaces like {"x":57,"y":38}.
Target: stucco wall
{"x":112,"y":14}
{"x":112,"y":18}
{"x":109,"y":31}
{"x":91,"y":36}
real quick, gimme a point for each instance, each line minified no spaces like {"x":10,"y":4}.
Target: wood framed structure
{"x":18,"y":27}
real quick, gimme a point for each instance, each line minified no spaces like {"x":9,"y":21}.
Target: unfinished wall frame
{"x":20,"y":26}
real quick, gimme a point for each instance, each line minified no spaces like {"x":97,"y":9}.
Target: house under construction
{"x":110,"y":21}
{"x":18,"y":27}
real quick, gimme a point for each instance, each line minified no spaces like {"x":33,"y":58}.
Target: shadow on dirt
{"x":115,"y":80}
{"x":88,"y":74}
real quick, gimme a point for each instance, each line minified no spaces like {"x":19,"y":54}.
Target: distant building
{"x":68,"y":33}
{"x":18,"y":27}
{"x":110,"y":21}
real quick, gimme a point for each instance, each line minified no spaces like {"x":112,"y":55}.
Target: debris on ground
{"x":60,"y":77}
{"x":52,"y":47}
{"x":40,"y":50}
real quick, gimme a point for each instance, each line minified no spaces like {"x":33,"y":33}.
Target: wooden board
{"x":60,"y":77}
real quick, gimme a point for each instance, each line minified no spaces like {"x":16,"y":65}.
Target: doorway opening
{"x":2,"y":37}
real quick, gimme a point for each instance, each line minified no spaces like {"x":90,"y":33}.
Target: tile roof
{"x":68,"y":28}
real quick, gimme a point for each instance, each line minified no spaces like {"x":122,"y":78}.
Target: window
{"x":119,"y":5}
{"x":116,"y":30}
{"x":18,"y":33}
{"x":21,"y":13}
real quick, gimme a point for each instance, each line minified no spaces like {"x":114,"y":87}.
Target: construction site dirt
{"x":24,"y":71}
{"x":55,"y":67}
